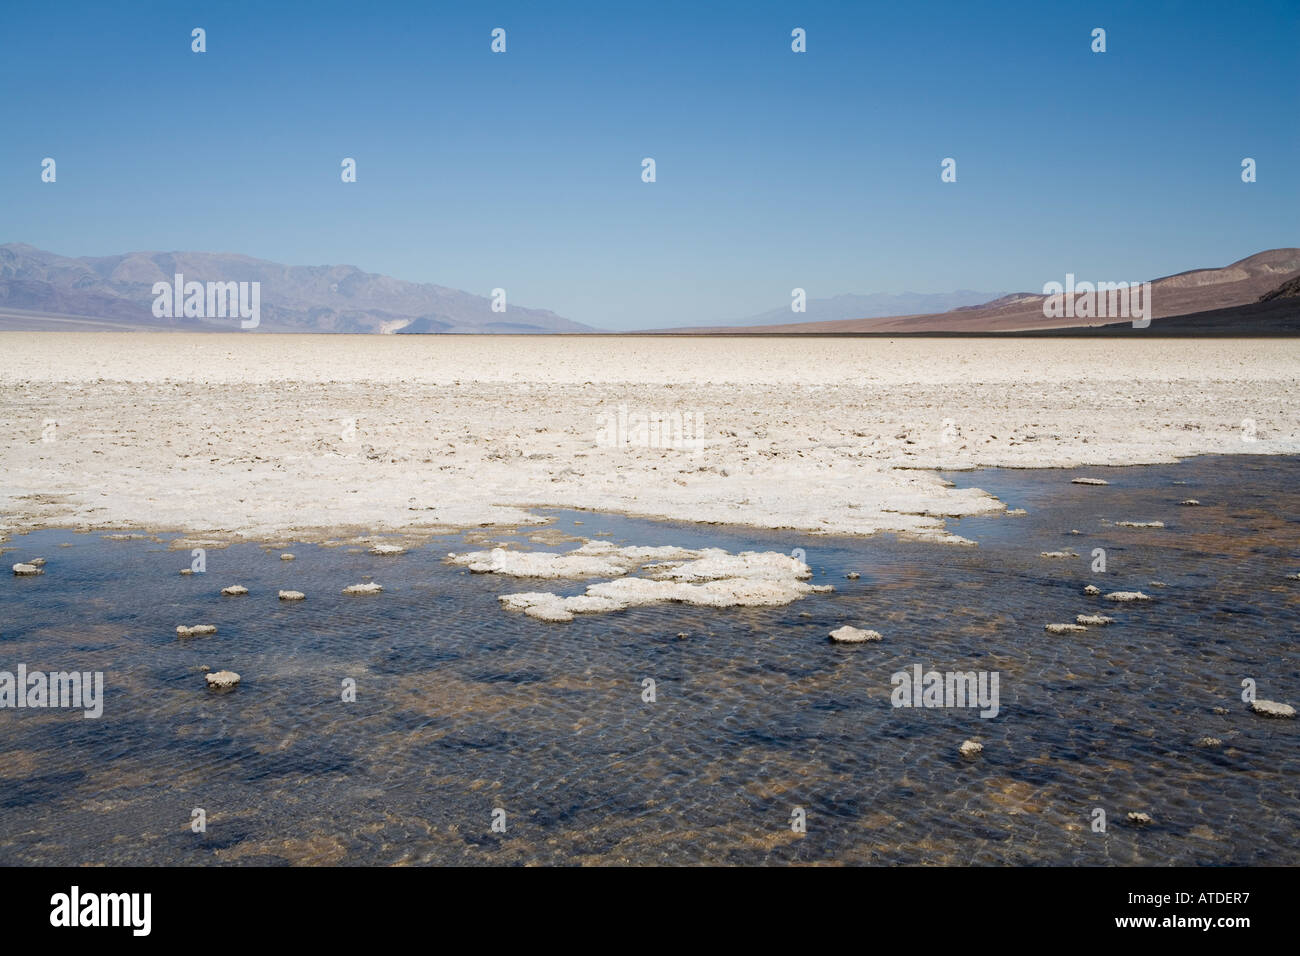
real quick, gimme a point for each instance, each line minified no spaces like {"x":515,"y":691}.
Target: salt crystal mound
{"x":848,"y":634}
{"x":708,"y":578}
{"x":198,"y":630}
{"x":1272,"y":708}
{"x":1127,"y":596}
{"x":1091,"y":619}
{"x":222,"y":680}
{"x":594,"y":559}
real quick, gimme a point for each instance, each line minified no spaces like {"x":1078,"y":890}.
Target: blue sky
{"x":775,"y":169}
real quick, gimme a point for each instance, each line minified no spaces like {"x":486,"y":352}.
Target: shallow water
{"x":463,"y":707}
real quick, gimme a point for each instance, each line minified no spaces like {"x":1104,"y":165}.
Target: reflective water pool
{"x":463,"y":708}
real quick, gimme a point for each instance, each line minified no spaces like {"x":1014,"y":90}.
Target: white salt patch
{"x":1272,"y":708}
{"x":594,"y":559}
{"x":586,"y":604}
{"x":549,"y":612}
{"x":714,"y":564}
{"x":198,"y":630}
{"x":1092,"y":619}
{"x":710,"y":577}
{"x":853,"y":635}
{"x":1126,"y":596}
{"x":937,"y":535}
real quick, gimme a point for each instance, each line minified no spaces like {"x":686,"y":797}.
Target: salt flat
{"x":318,"y":436}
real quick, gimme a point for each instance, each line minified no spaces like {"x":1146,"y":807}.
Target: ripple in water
{"x":463,"y":708}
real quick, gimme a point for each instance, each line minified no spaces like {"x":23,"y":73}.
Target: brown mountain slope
{"x":1289,"y":289}
{"x":1199,"y":290}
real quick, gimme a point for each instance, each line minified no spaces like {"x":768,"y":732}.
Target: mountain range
{"x":1256,"y":294}
{"x":41,"y":289}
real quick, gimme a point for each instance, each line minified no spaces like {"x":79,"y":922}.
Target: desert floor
{"x":312,"y":437}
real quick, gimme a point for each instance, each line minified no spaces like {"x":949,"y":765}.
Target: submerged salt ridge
{"x":709,"y":577}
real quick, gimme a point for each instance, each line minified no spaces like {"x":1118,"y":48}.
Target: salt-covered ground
{"x":709,"y":578}
{"x":313,"y":437}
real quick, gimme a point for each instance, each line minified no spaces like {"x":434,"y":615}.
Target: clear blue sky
{"x":775,"y":169}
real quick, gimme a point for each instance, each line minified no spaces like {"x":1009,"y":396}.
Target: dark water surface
{"x":463,"y":707}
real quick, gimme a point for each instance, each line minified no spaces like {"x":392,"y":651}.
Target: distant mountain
{"x":874,"y":305}
{"x":1243,"y":283}
{"x":116,"y":291}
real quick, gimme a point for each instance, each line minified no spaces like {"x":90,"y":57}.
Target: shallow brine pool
{"x":764,"y":741}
